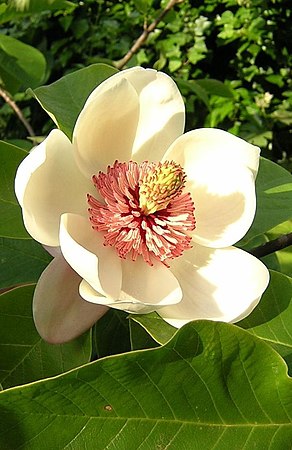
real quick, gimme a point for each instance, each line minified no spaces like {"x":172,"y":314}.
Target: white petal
{"x":144,"y":288}
{"x":214,"y":146}
{"x":106,"y":127}
{"x":48,"y":183}
{"x":162,"y":113}
{"x":83,"y":249}
{"x":220,"y":178}
{"x":217,"y":284}
{"x":60,"y":314}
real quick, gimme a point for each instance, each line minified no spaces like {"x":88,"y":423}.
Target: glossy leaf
{"x":25,"y":357}
{"x":274,"y":199}
{"x":22,"y":261}
{"x":21,"y":66}
{"x":11,"y":224}
{"x":111,"y":334}
{"x":271,"y":319}
{"x":156,"y":327}
{"x":140,"y":338}
{"x":213,"y":386}
{"x":64,"y":99}
{"x":284,"y":256}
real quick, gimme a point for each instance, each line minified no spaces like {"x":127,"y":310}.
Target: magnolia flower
{"x":139,"y":216}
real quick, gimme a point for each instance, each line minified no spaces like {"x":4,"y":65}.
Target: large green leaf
{"x":64,"y":99}
{"x":25,"y":357}
{"x":272,"y":318}
{"x":284,"y":256}
{"x":22,"y":261}
{"x":11,"y":224}
{"x":213,"y":386}
{"x":274,"y":199}
{"x":21,"y":66}
{"x":156,"y":327}
{"x":111,"y":334}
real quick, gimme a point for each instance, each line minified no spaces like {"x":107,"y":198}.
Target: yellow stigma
{"x":161,"y":183}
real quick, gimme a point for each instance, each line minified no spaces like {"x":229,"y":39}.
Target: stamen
{"x":144,"y":210}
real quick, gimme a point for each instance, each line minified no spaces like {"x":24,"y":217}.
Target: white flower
{"x":134,"y":235}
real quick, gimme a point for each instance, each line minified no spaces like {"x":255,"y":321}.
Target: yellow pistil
{"x":159,"y":185}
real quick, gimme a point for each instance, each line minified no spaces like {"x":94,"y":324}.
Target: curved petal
{"x":60,"y":314}
{"x":144,"y":288}
{"x":220,"y":172}
{"x":214,"y":146}
{"x":162,"y":113}
{"x":83,"y":249}
{"x":159,"y":122}
{"x":47,"y":184}
{"x":106,"y":127}
{"x":217,"y":284}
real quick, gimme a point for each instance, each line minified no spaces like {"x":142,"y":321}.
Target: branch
{"x":4,"y":94}
{"x":273,"y":246}
{"x":140,"y":41}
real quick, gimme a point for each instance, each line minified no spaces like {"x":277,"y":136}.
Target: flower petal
{"x":60,"y":314}
{"x":211,"y":145}
{"x":217,"y":284}
{"x":47,"y":184}
{"x":83,"y":249}
{"x":144,"y":288}
{"x":106,"y":127}
{"x":161,"y":115}
{"x":220,"y":172}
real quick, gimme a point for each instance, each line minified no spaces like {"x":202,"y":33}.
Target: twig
{"x":147,"y":30}
{"x":4,"y":94}
{"x":273,"y":246}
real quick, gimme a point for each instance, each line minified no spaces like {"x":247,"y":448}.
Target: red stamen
{"x":159,"y":235}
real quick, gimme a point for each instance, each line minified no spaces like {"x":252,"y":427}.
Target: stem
{"x":147,"y":30}
{"x":4,"y":94}
{"x":273,"y":246}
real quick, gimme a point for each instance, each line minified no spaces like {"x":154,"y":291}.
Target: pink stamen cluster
{"x":161,"y":234}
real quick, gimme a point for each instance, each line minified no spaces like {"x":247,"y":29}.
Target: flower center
{"x":144,"y":210}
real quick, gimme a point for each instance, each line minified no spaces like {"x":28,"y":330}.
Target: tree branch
{"x":4,"y":94}
{"x":140,"y":41}
{"x":273,"y":246}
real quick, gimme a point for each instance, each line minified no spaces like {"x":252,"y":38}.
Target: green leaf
{"x":212,"y":386}
{"x":215,"y":87}
{"x":192,"y":86}
{"x":25,"y":357}
{"x":22,"y":261}
{"x":271,"y":319}
{"x":284,"y":256}
{"x":11,"y":224}
{"x":111,"y":334}
{"x":21,"y":66}
{"x":274,"y":199}
{"x":143,"y":5}
{"x":64,"y":99}
{"x":155,"y":326}
{"x":140,"y":338}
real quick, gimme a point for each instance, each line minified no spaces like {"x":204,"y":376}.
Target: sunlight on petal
{"x":221,"y":284}
{"x":49,"y":183}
